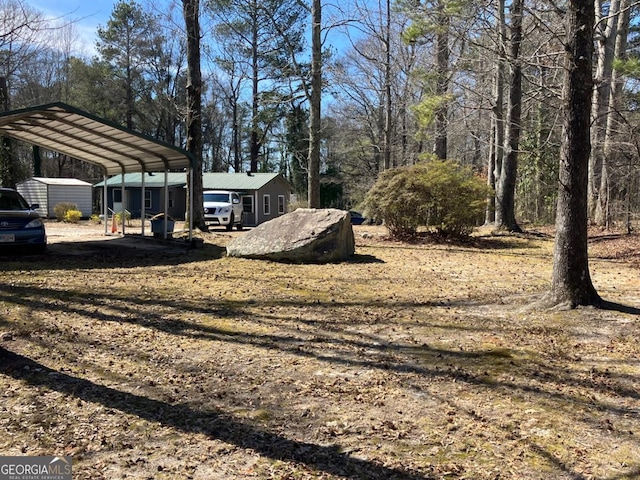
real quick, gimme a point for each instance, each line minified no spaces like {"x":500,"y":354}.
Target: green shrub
{"x":61,"y":209}
{"x":95,"y":219}
{"x":127,"y":217}
{"x":439,"y":194}
{"x":72,"y":216}
{"x":391,"y":199}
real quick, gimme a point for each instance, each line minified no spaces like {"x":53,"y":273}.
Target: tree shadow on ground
{"x":481,"y":242}
{"x":544,"y":380}
{"x":424,"y":360}
{"x":217,"y":425}
{"x":607,"y":237}
{"x":618,"y":307}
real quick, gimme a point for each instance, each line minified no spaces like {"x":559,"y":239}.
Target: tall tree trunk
{"x":254,"y":148}
{"x":387,"y":89}
{"x":506,"y":182}
{"x":237,"y":160}
{"x":442,"y":82}
{"x":315,"y":105}
{"x":129,"y":95}
{"x":542,"y":139}
{"x":497,"y":118}
{"x":490,"y":211}
{"x":37,"y":161}
{"x":602,"y":212}
{"x":606,"y":33}
{"x":8,"y":171}
{"x":571,"y":282}
{"x":194,"y":107}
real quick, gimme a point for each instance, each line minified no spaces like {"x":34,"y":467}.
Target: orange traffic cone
{"x":114,"y":225}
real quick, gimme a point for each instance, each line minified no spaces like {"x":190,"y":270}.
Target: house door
{"x":248,"y":211}
{"x":117,"y":200}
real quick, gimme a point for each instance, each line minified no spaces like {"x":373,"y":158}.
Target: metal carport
{"x":117,"y":150}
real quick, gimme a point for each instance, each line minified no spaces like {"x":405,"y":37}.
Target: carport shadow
{"x":129,"y":251}
{"x":215,"y":424}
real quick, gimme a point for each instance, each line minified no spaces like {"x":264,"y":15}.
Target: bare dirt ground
{"x":412,"y":361}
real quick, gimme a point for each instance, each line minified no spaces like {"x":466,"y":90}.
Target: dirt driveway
{"x":87,"y":231}
{"x":88,"y":238}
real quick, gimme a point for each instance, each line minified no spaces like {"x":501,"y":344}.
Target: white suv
{"x":222,"y":207}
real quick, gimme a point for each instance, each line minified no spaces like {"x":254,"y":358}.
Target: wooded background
{"x":476,"y":82}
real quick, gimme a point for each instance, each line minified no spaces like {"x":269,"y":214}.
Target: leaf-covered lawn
{"x":413,"y":361}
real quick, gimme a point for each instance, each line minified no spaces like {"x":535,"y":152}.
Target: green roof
{"x":236,"y":181}
{"x":210,"y":181}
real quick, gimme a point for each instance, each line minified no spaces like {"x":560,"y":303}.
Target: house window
{"x":117,"y":195}
{"x":247,"y":204}
{"x":170,"y":198}
{"x":147,"y":200}
{"x":266,"y":204}
{"x":281,"y":204}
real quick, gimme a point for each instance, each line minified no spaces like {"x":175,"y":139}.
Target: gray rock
{"x":306,"y":236}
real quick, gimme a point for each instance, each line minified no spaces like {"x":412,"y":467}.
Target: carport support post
{"x":105,"y":208}
{"x":166,"y":201}
{"x":122,"y":198}
{"x":142,"y":202}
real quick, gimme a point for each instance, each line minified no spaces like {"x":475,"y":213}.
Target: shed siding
{"x":48,"y":192}
{"x":78,"y":194}
{"x":34,"y":192}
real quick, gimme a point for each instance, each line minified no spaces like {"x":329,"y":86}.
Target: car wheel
{"x":40,"y":249}
{"x":239,"y":225}
{"x":230,"y":225}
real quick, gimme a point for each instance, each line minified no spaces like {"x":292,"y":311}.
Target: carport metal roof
{"x":70,"y":131}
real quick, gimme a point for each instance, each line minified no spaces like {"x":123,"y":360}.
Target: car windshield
{"x":216,"y":197}
{"x":12,"y":201}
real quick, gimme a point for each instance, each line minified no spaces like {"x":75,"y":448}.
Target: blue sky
{"x":88,"y":15}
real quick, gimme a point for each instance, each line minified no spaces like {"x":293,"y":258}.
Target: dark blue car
{"x":356,"y":218}
{"x":20,"y":225}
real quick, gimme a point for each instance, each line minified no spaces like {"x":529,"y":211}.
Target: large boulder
{"x":306,"y":235}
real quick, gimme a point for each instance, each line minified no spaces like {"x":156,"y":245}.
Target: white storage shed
{"x":48,"y":192}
